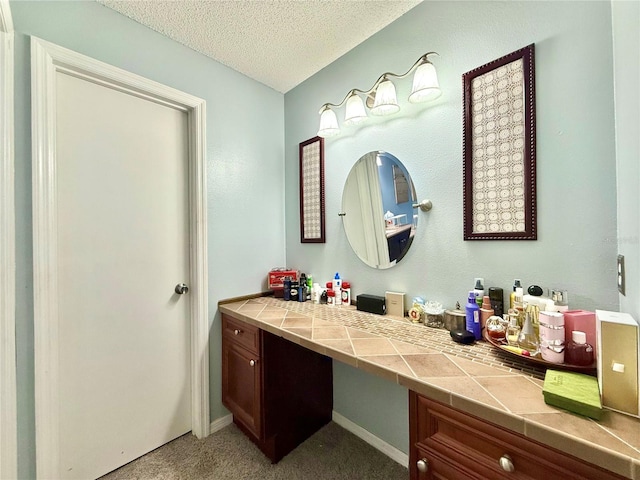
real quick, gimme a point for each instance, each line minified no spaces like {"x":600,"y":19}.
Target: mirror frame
{"x":528,"y":161}
{"x":397,"y":242}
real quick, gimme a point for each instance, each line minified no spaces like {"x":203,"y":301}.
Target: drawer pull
{"x":423,"y":465}
{"x":237,"y":332}
{"x":507,"y":464}
{"x":252,"y":362}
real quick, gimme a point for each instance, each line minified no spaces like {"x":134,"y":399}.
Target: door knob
{"x":423,"y":465}
{"x":181,"y":289}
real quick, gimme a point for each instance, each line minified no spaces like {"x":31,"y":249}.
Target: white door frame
{"x":46,"y":60}
{"x":8,"y":408}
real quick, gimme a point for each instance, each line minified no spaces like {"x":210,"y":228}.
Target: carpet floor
{"x":331,"y":454}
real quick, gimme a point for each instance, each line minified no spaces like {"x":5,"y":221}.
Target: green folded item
{"x":572,"y":391}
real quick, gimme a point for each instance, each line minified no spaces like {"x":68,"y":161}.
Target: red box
{"x":276,"y":279}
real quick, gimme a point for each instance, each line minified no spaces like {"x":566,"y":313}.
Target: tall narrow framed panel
{"x":500,"y":149}
{"x":312,"y":227}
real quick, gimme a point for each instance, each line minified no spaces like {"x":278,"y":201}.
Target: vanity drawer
{"x":445,"y":437}
{"x":241,"y":333}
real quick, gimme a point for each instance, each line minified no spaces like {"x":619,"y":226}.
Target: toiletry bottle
{"x":293,"y":293}
{"x":485,"y":311}
{"x":528,"y":340}
{"x":337,"y":287}
{"x":331,"y":298}
{"x":472,"y":313}
{"x":512,"y":297}
{"x":513,"y":330}
{"x":478,"y":290}
{"x":497,"y":300}
{"x":346,"y":293}
{"x":309,"y":287}
{"x":518,"y":306}
{"x":302,"y":288}
{"x":323,"y":296}
{"x":578,"y":351}
{"x":286,"y":292}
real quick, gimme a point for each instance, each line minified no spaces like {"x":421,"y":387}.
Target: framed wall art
{"x":500,"y":149}
{"x":312,"y":228}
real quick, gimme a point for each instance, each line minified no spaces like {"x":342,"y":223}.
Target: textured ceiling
{"x":279,"y":43}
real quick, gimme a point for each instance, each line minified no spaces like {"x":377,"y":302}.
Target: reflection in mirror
{"x":401,"y":185}
{"x":377,"y":202}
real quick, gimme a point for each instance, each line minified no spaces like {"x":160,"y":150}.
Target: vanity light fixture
{"x":381,"y":98}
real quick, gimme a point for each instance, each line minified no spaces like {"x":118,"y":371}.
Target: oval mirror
{"x":377,"y":202}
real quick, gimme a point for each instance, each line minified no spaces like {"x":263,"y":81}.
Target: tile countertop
{"x":477,"y":379}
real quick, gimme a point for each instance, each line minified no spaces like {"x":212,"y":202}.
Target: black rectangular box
{"x":371,"y":304}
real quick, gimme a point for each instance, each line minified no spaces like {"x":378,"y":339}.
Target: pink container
{"x":552,"y":336}
{"x":583,"y":321}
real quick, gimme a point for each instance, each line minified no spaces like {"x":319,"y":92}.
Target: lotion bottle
{"x":337,"y":287}
{"x":472,"y":314}
{"x":485,"y":312}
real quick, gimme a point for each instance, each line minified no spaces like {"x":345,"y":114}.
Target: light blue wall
{"x":626,"y":55}
{"x":576,"y":167}
{"x":245,"y":132}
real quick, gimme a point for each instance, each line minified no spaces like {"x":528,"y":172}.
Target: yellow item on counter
{"x":517,"y":350}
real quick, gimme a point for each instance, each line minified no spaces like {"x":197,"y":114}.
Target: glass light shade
{"x":425,"y":84}
{"x":328,"y":124}
{"x":354,"y":112}
{"x":385,"y":102}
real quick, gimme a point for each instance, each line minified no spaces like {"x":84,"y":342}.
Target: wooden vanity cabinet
{"x":446,"y":443}
{"x":278,"y":392}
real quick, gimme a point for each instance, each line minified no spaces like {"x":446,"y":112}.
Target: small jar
{"x":578,"y":351}
{"x":434,"y":315}
{"x":331,"y":298}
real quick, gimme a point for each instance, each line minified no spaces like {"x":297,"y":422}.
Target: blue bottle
{"x":287,"y":288}
{"x":473,"y":316}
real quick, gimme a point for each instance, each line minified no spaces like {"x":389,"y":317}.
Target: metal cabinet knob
{"x":181,"y":289}
{"x":237,"y":332}
{"x":252,"y":362}
{"x":423,"y":465}
{"x":507,"y":464}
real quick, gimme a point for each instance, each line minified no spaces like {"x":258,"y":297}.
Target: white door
{"x":123,"y":246}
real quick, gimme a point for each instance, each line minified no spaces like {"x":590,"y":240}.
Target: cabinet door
{"x":241,"y":389}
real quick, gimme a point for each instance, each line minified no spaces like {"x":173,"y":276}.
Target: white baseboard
{"x":220,"y":423}
{"x":376,"y":442}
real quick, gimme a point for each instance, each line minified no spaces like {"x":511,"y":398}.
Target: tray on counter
{"x":537,"y":360}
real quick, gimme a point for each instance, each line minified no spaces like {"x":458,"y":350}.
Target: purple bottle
{"x":473,"y":316}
